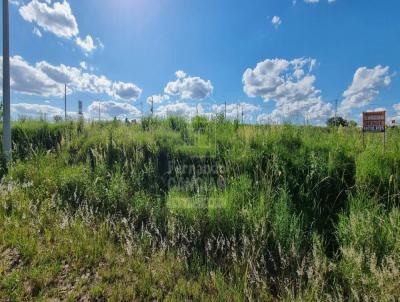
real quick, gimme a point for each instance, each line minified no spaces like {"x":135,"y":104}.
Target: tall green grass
{"x":284,"y":212}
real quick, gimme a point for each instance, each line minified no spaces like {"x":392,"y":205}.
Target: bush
{"x":149,"y":123}
{"x":199,"y":124}
{"x":177,"y":123}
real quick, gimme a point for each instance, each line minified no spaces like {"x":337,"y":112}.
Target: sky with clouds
{"x":273,"y":60}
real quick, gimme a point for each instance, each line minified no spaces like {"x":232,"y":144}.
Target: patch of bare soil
{"x":10,"y":259}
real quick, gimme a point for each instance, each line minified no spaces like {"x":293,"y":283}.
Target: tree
{"x":337,"y":121}
{"x":352,"y":124}
{"x":57,"y":118}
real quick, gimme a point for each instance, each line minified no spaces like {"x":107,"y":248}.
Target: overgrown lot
{"x":201,"y":210}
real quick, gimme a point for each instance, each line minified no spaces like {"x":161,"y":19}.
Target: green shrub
{"x":199,"y":124}
{"x":176,"y":123}
{"x":149,"y":123}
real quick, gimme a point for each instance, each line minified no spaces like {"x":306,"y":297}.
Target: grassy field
{"x":206,"y":210}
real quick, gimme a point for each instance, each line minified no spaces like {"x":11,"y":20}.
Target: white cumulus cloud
{"x":179,"y":109}
{"x":47,"y":80}
{"x":126,"y":91}
{"x":111,"y":109}
{"x":35,"y":110}
{"x":234,"y":111}
{"x":158,"y":98}
{"x":187,"y":87}
{"x":57,"y":18}
{"x":61,"y":74}
{"x":290,"y":84}
{"x":28,"y":79}
{"x":365,"y":87}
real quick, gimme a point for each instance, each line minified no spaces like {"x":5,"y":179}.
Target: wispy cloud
{"x":276,"y":21}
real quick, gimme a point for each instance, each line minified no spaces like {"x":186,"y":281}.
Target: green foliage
{"x":72,"y":183}
{"x":58,"y":118}
{"x":149,"y":123}
{"x":220,"y":118}
{"x":352,"y":123}
{"x":3,"y":165}
{"x":286,"y":225}
{"x":370,"y":248}
{"x":176,"y":123}
{"x":337,"y":121}
{"x":207,"y":210}
{"x":340,"y":122}
{"x":30,"y":138}
{"x":199,"y":124}
{"x":369,"y":228}
{"x":379,"y":173}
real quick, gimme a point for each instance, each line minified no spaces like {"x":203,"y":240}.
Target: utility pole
{"x":80,"y":108}
{"x":336,"y":101}
{"x":65,"y":101}
{"x":6,"y":85}
{"x":225,"y":110}
{"x":99,"y":110}
{"x":242,"y":115}
{"x":152,"y":106}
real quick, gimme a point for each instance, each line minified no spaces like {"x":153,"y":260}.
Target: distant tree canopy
{"x":352,"y":124}
{"x":57,"y":118}
{"x":339,"y":121}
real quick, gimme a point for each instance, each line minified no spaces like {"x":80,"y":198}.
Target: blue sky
{"x":279,"y":60}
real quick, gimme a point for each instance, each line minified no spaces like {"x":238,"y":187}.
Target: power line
{"x":225,"y":110}
{"x":6,"y":85}
{"x":99,"y":110}
{"x":336,"y":102}
{"x":152,"y":107}
{"x":65,"y":101}
{"x":80,"y":108}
